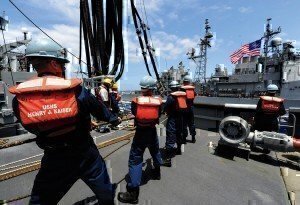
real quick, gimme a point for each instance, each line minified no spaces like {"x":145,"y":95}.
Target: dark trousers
{"x":189,"y":123}
{"x":174,"y":131}
{"x":144,"y":138}
{"x":61,"y":169}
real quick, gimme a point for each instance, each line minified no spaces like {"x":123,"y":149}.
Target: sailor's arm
{"x":96,"y":107}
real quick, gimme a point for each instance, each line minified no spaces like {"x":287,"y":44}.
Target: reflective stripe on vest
{"x":190,"y":91}
{"x":271,"y":104}
{"x":147,"y":112}
{"x":47,"y":103}
{"x":180,"y":100}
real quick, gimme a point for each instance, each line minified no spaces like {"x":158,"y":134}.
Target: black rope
{"x":135,"y":15}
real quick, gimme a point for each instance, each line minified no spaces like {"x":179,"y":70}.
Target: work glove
{"x":116,"y":122}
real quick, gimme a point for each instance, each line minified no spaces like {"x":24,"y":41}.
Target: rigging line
{"x":4,"y":41}
{"x":42,"y":29}
{"x":147,"y":21}
{"x":80,"y":45}
{"x":153,"y":46}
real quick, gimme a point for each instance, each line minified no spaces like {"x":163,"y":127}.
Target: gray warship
{"x":13,"y":70}
{"x":279,"y":64}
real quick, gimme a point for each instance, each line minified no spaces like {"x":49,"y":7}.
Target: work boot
{"x":167,"y":161}
{"x":131,"y":196}
{"x":178,"y":150}
{"x":156,"y":173}
{"x":193,"y":139}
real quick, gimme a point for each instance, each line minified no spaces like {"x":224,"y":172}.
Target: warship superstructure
{"x":13,"y":70}
{"x":279,"y":64}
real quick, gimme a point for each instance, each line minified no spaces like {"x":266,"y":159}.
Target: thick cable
{"x":138,"y":32}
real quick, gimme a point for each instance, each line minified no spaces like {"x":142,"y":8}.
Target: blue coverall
{"x":189,"y":119}
{"x":114,"y":103}
{"x":145,"y":137}
{"x":73,"y":156}
{"x":175,"y":124}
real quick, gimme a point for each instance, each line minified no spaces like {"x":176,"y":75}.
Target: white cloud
{"x":65,"y":8}
{"x":219,"y":8}
{"x":173,"y":15}
{"x":245,"y":10}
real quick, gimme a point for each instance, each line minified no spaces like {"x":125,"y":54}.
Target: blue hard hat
{"x":174,"y":84}
{"x":46,"y":48}
{"x":187,"y":79}
{"x":272,"y":88}
{"x":148,"y":82}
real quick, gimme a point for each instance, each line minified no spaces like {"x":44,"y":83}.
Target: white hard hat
{"x":272,"y":88}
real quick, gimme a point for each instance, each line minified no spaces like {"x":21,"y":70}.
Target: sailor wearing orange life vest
{"x":175,"y":107}
{"x":58,"y":112}
{"x":268,"y":109}
{"x":146,"y":110}
{"x":189,"y":118}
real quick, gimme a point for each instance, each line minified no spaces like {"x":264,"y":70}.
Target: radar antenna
{"x":201,"y":59}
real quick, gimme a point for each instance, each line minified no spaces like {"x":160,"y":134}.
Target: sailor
{"x":58,"y":112}
{"x":268,"y":109}
{"x":104,"y":90}
{"x":115,"y":99}
{"x":189,"y":118}
{"x":175,"y":107}
{"x":114,"y":91}
{"x":146,"y":110}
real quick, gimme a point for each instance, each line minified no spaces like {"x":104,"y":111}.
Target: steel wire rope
{"x":138,"y":32}
{"x":148,"y":47}
{"x":153,"y":46}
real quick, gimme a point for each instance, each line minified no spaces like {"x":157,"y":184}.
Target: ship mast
{"x":268,"y":35}
{"x":201,"y":59}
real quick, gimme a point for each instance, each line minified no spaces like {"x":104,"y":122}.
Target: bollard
{"x":158,"y":131}
{"x":109,"y":169}
{"x":182,"y":148}
{"x":162,"y":134}
{"x":211,"y":148}
{"x":292,"y":196}
{"x":284,"y":171}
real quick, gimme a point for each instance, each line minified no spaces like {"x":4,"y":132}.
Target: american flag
{"x":251,"y":49}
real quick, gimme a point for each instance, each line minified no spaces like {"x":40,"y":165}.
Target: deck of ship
{"x":197,"y":177}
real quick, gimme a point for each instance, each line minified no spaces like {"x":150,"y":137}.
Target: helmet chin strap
{"x":147,"y":92}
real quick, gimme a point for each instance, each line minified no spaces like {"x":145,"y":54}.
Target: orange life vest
{"x":147,"y":110}
{"x":180,"y":98}
{"x":48,"y":104}
{"x":190,"y":91}
{"x":271,"y":104}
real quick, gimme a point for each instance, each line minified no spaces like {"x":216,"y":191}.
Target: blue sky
{"x":175,"y":27}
